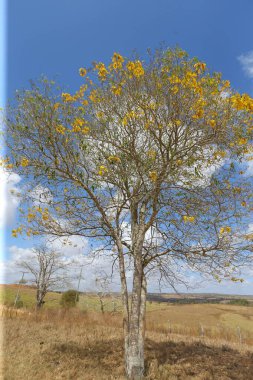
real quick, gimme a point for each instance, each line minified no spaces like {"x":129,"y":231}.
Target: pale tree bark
{"x":40,"y":295}
{"x":134,"y":349}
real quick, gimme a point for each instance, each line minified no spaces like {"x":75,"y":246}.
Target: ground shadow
{"x":180,"y":360}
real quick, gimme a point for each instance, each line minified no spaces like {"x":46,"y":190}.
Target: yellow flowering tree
{"x":152,"y":146}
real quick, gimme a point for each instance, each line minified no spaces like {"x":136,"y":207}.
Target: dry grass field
{"x":184,"y":342}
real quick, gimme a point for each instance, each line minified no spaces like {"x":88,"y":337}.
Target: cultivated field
{"x":193,"y":341}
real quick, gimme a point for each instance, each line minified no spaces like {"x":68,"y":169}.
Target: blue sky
{"x":57,"y":37}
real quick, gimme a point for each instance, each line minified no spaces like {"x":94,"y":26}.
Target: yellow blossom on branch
{"x":56,"y":106}
{"x":116,"y":90}
{"x":153,"y":176}
{"x":152,"y":154}
{"x":200,"y":67}
{"x":224,"y":230}
{"x":242,"y":102}
{"x":242,"y":141}
{"x":117,"y":61}
{"x":45,"y":215}
{"x":212,"y":123}
{"x":82,"y":72}
{"x":85,"y":130}
{"x":199,"y":114}
{"x":77,"y":124}
{"x":135,"y":68}
{"x":16,"y":231}
{"x":67,"y":97}
{"x":60,"y":129}
{"x":189,"y":219}
{"x":102,"y":170}
{"x":24,"y":162}
{"x":114,"y":159}
{"x":85,"y":102}
{"x":30,"y":216}
{"x":94,"y":96}
{"x":102,"y":71}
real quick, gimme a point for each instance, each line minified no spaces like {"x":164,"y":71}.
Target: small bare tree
{"x":103,"y":291}
{"x":48,"y":271}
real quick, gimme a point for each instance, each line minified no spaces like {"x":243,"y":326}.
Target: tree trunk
{"x":134,"y":342}
{"x":40,"y":298}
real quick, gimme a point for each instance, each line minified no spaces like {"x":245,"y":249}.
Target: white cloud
{"x":249,"y":168}
{"x":9,"y":199}
{"x":41,"y":195}
{"x":246,"y":61}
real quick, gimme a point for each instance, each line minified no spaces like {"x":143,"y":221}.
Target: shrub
{"x":239,"y":302}
{"x":69,"y":298}
{"x":19,"y":304}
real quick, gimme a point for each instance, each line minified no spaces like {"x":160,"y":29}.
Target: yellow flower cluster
{"x":135,"y":68}
{"x":220,"y":153}
{"x":94,"y":96}
{"x":82,"y":72}
{"x":237,"y":190}
{"x":16,"y":232}
{"x":30,"y":216}
{"x":102,"y":170}
{"x":198,"y":114}
{"x":85,"y":102}
{"x":242,"y":102}
{"x":200,"y":67}
{"x":56,"y":106}
{"x":60,"y":129}
{"x":102,"y":71}
{"x":67,"y":97}
{"x":80,"y":93}
{"x":198,"y":108}
{"x":212,"y":123}
{"x":189,"y":219}
{"x":77,"y":124}
{"x":242,"y":141}
{"x":153,"y":176}
{"x":224,"y":230}
{"x":24,"y":162}
{"x":152,"y":154}
{"x":114,"y":159}
{"x":225,"y":84}
{"x":117,"y":61}
{"x":174,"y":79}
{"x":85,"y":130}
{"x":45,"y":214}
{"x":116,"y":90}
{"x":128,"y":116}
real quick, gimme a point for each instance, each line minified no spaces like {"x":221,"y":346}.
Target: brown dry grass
{"x":60,"y":344}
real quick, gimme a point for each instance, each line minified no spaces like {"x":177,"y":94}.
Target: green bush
{"x":19,"y":304}
{"x":239,"y":302}
{"x":69,"y":298}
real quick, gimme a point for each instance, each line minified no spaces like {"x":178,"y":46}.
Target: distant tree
{"x":69,"y":298}
{"x":145,"y":158}
{"x":47,"y":269}
{"x":102,"y":289}
{"x":239,"y":302}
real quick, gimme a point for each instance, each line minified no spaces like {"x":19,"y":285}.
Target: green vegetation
{"x":69,"y":298}
{"x":239,"y":302}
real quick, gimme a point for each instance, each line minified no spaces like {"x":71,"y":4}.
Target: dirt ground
{"x":75,"y":346}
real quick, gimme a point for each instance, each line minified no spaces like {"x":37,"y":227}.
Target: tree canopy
{"x":151,"y":143}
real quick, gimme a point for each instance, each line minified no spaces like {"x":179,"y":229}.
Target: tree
{"x":102,"y":285}
{"x":146,"y":159}
{"x":48,"y":271}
